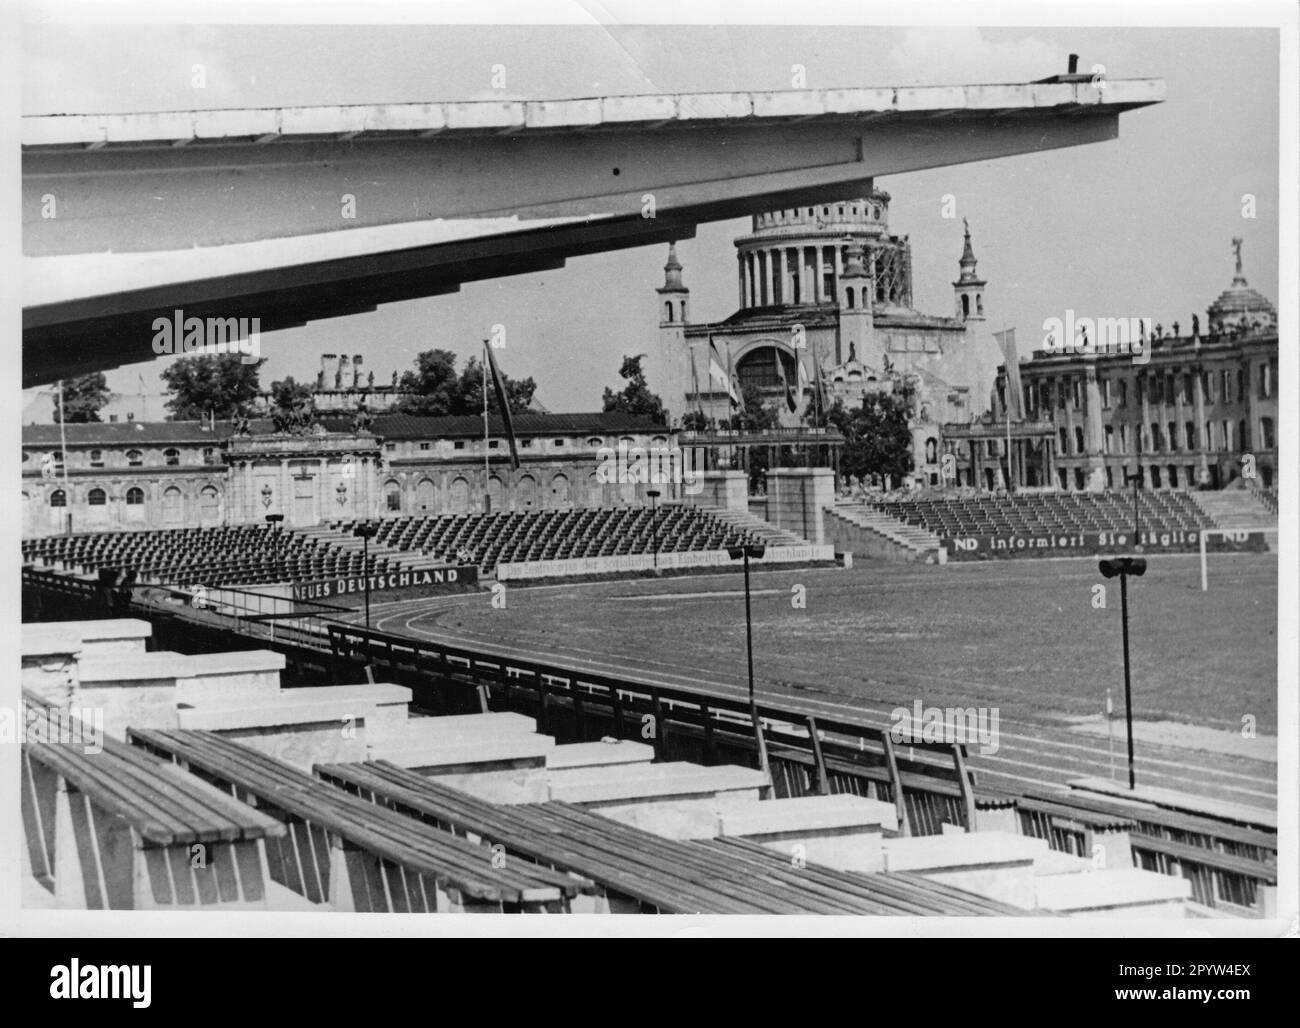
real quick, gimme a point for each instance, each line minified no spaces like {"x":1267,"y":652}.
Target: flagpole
{"x":63,"y":451}
{"x":487,"y":475}
{"x":1007,"y":357}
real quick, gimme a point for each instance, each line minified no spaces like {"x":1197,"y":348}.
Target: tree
{"x":83,"y":398}
{"x":439,"y":390}
{"x":434,"y":383}
{"x":519,"y":391}
{"x":218,"y":384}
{"x":877,"y":440}
{"x":695,"y":421}
{"x":757,"y":415}
{"x":635,"y":397}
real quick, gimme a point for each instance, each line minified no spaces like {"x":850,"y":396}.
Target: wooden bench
{"x":118,"y":829}
{"x":355,"y":855}
{"x":1217,"y":879}
{"x":639,"y":871}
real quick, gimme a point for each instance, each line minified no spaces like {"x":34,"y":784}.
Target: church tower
{"x":969,"y":287}
{"x":671,"y":374}
{"x":856,"y":312}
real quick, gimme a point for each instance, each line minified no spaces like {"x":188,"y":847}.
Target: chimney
{"x":356,"y":371}
{"x":1074,"y":64}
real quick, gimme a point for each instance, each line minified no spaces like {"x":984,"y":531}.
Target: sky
{"x":1138,"y":226}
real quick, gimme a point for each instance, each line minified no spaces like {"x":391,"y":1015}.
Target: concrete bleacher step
{"x":1118,"y":892}
{"x":1234,"y":508}
{"x":606,"y":753}
{"x":612,"y":786}
{"x":894,"y":539}
{"x":89,"y":638}
{"x":1000,"y":865}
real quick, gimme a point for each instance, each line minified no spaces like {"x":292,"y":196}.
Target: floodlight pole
{"x":744,"y":552}
{"x":654,"y":527}
{"x":1123,"y":567}
{"x":367,"y":532}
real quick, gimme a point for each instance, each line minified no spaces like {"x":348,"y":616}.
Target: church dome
{"x":1241,"y":305}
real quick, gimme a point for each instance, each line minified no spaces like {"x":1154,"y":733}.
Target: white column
{"x":817,"y":274}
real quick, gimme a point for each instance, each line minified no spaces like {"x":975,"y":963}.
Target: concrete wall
{"x":796,"y":498}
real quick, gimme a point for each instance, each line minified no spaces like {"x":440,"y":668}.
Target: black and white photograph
{"x":645,"y":463}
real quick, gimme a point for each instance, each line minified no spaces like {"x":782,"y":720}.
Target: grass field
{"x":1021,"y":637}
{"x":1020,"y":634}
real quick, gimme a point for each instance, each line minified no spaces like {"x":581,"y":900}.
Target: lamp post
{"x":1136,"y":479}
{"x":273,"y":522}
{"x":654,"y":527}
{"x":745,"y":552}
{"x":366,"y":532}
{"x":1123,"y":567}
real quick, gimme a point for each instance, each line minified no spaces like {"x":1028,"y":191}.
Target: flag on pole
{"x":737,"y":394}
{"x":785,"y":382}
{"x":499,"y":387}
{"x":1007,"y":344}
{"x":695,"y":383}
{"x":720,"y":375}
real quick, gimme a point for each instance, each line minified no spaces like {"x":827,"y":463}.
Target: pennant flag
{"x":722,"y":376}
{"x":737,"y":394}
{"x":499,"y":387}
{"x":695,"y":383}
{"x":1007,"y":343}
{"x":790,"y":401}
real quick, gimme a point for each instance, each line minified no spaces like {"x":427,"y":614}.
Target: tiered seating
{"x":240,"y":555}
{"x":109,"y":827}
{"x":1048,"y":513}
{"x":522,"y":536}
{"x":356,"y":855}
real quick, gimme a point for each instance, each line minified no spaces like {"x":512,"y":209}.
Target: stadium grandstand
{"x":1067,"y":513}
{"x":524,"y":536}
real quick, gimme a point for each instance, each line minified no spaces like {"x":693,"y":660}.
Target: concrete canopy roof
{"x":236,"y":213}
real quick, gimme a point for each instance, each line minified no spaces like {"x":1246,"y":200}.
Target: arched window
{"x":171,"y":457}
{"x":526,"y":491}
{"x":426,"y":495}
{"x":459,"y":495}
{"x":849,"y":294}
{"x":560,"y":490}
{"x":758,"y":368}
{"x":96,"y":458}
{"x":595,"y":441}
{"x":97,"y":497}
{"x":135,"y":496}
{"x":1173,"y":476}
{"x":58,"y":498}
{"x":1243,"y":435}
{"x":173,"y":506}
{"x":392,"y":496}
{"x":209,"y":506}
{"x":668,"y":310}
{"x":979,"y":304}
{"x":1189,"y":435}
{"x":134,"y":458}
{"x":965,"y":306}
{"x":1173,"y":436}
{"x":1064,"y":440}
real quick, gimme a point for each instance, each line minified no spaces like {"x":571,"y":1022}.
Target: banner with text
{"x":645,"y":562}
{"x":419,"y":582}
{"x":1082,"y":544}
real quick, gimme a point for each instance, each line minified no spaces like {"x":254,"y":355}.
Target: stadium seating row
{"x":1067,"y":513}
{"x":211,"y":556}
{"x":522,"y":536}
